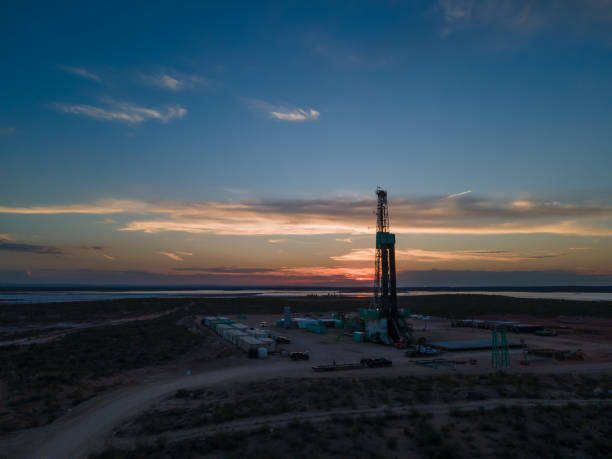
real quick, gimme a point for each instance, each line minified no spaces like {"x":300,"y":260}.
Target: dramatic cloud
{"x":28,"y":248}
{"x":435,"y":215}
{"x":9,"y":130}
{"x":125,"y":112}
{"x":174,"y":82}
{"x":82,"y":72}
{"x":283,"y":113}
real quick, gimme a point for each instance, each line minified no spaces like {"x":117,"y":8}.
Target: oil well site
{"x":376,"y":335}
{"x":324,"y":376}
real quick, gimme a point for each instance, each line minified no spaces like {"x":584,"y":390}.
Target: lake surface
{"x":60,"y":296}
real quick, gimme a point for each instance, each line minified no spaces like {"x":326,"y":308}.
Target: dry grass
{"x":44,"y":380}
{"x":570,"y":431}
{"x":195,"y":408}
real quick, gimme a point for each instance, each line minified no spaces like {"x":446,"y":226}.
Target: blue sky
{"x":211,"y":103}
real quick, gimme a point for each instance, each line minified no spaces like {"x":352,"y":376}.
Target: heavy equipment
{"x":385,"y":321}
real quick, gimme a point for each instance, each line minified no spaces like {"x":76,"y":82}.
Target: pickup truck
{"x":376,"y":363}
{"x":282,"y":340}
{"x":299,"y":355}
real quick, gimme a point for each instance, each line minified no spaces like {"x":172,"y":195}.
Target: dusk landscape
{"x":205,"y":205}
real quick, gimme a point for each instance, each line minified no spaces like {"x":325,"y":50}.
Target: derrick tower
{"x":385,"y":292}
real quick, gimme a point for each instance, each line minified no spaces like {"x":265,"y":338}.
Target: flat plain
{"x":145,"y":378}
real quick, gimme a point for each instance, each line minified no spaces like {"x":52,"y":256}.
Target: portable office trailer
{"x":249,"y":342}
{"x":208,"y":321}
{"x":220,"y":327}
{"x":227,"y":332}
{"x":257,"y":333}
{"x":262,"y":334}
{"x":232,"y":335}
{"x":225,"y":320}
{"x":269,"y":343}
{"x":236,"y":337}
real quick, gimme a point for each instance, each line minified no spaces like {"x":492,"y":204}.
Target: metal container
{"x":236,"y":337}
{"x":316,"y":328}
{"x":249,"y":342}
{"x":269,"y":343}
{"x":225,"y":320}
{"x":220,"y":327}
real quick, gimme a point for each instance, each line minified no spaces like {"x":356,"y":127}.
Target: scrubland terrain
{"x":110,"y":378}
{"x":42,"y":381}
{"x":570,"y":430}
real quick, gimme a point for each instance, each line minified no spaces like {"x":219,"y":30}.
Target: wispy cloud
{"x":108,"y":257}
{"x":225,"y":270}
{"x":283,"y":112}
{"x":8,"y":130}
{"x":344,"y":239}
{"x":92,"y":247}
{"x":523,"y":16}
{"x":309,"y":276}
{"x":174,"y":81}
{"x":456,"y":195}
{"x":7,"y":246}
{"x":125,"y":112}
{"x":349,"y":54}
{"x":433,"y":215}
{"x":82,"y":72}
{"x":426,"y":256}
{"x":307,"y":273}
{"x":276,"y":241}
{"x":175,"y":256}
{"x":295,"y":114}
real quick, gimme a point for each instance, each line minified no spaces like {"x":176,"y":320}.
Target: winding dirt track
{"x":85,"y":429}
{"x":77,"y":326}
{"x":322,"y":416}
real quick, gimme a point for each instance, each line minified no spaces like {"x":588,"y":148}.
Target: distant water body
{"x":25,"y":296}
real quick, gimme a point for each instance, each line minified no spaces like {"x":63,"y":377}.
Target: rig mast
{"x":385,"y":292}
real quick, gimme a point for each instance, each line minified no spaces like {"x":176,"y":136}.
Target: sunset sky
{"x":241,"y":143}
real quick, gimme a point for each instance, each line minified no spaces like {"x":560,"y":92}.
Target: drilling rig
{"x":385,"y":291}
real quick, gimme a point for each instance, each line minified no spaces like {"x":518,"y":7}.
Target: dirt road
{"x":323,"y":416}
{"x":70,"y":327}
{"x":84,"y":430}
